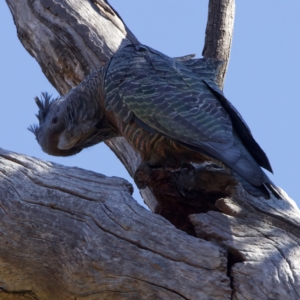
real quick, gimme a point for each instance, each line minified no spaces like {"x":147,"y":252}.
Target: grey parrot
{"x":170,"y":110}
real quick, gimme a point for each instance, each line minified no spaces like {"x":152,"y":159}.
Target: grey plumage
{"x":143,"y":94}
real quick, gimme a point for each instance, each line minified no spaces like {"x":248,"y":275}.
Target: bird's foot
{"x":189,"y":167}
{"x":142,"y":175}
{"x":155,"y":177}
{"x":163,"y":178}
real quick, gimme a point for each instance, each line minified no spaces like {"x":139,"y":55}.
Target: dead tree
{"x":68,"y":233}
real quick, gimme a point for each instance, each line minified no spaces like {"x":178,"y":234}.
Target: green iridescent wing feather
{"x":164,"y":93}
{"x":179,"y":99}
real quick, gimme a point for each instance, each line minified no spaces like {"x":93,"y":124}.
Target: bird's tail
{"x":265,"y":190}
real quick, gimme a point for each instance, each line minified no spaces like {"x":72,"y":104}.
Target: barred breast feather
{"x":180,"y":100}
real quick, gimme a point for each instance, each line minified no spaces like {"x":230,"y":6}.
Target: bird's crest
{"x":44,"y":104}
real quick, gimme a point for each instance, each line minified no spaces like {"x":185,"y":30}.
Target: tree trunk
{"x":67,"y":233}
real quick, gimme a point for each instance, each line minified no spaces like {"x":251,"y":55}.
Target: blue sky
{"x":262,"y":81}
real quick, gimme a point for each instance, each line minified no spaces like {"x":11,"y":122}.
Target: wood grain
{"x":67,"y":233}
{"x":263,"y":250}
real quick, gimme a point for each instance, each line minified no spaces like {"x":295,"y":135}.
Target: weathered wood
{"x":70,"y":39}
{"x":263,"y":243}
{"x":218,"y":34}
{"x":68,"y":233}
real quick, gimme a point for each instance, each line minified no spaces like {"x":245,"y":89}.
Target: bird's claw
{"x":142,"y":175}
{"x":189,"y":167}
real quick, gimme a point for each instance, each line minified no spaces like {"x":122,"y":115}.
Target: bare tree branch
{"x":218,"y":34}
{"x":67,"y":233}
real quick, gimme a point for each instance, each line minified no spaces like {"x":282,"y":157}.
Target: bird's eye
{"x":54,"y":120}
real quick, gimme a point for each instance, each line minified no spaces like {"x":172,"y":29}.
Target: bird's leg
{"x":163,"y":177}
{"x":155,"y":169}
{"x":177,"y":183}
{"x":142,"y":175}
{"x":177,"y":176}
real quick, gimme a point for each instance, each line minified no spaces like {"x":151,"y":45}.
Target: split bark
{"x":68,"y":233}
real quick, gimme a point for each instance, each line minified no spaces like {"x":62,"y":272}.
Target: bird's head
{"x":72,"y":122}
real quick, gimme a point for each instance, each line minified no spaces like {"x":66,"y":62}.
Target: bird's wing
{"x":165,"y":95}
{"x":241,"y":128}
{"x":207,"y":69}
{"x":174,"y":100}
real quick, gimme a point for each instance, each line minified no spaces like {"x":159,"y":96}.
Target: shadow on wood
{"x":68,"y":233}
